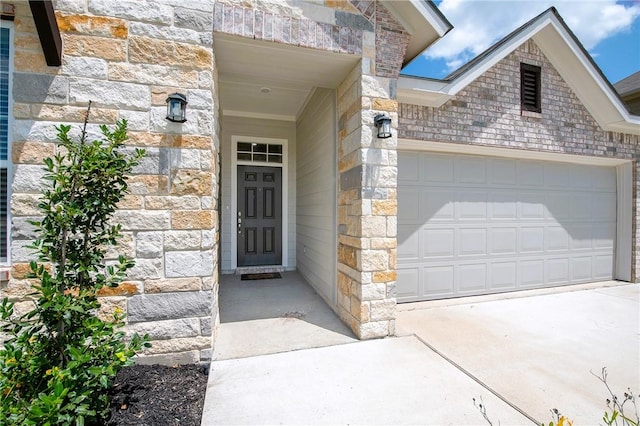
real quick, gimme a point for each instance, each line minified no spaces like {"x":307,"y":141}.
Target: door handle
{"x":239,"y":222}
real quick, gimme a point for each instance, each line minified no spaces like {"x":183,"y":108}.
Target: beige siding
{"x":252,"y":127}
{"x":316,"y":194}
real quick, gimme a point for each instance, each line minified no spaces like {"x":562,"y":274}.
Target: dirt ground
{"x":157,"y":395}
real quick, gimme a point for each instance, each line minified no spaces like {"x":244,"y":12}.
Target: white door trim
{"x":234,"y":191}
{"x":624,"y":187}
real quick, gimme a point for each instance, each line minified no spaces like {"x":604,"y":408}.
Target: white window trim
{"x":9,"y":163}
{"x":624,"y":188}
{"x":234,"y":192}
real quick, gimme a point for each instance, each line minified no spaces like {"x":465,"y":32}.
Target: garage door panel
{"x":471,"y":170}
{"x":503,"y":205}
{"x":483,"y":225}
{"x":408,"y":243}
{"x":581,"y":238}
{"x":580,"y":178}
{"x":503,"y":275}
{"x":437,"y":168}
{"x":603,"y":266}
{"x":581,"y":207}
{"x":530,"y":173}
{"x":437,"y":205}
{"x":557,"y":238}
{"x":603,"y":236}
{"x":504,"y":241}
{"x":604,"y":206}
{"x":531,"y":239}
{"x":438,"y":280}
{"x":531,"y":273}
{"x":410,"y":212}
{"x":557,"y":270}
{"x":472,"y":242}
{"x":471,"y":205}
{"x":556,"y":175}
{"x":408,"y":280}
{"x":438,"y":242}
{"x":557,"y":207}
{"x":581,"y":269}
{"x":531,"y":206}
{"x":472,"y":278}
{"x":605,"y":180}
{"x":410,"y":166}
{"x":502,"y":172}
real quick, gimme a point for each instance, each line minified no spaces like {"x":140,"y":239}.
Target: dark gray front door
{"x":259,"y":221}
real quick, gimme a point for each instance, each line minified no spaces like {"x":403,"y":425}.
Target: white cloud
{"x":479,"y":24}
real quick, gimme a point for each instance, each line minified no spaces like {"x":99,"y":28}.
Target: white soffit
{"x":270,"y":80}
{"x":562,"y":51}
{"x":424,"y":24}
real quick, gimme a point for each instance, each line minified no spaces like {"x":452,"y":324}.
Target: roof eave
{"x":566,"y":54}
{"x":422,"y":20}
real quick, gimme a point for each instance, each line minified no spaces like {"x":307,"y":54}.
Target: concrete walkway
{"x":276,"y":315}
{"x":522,"y":356}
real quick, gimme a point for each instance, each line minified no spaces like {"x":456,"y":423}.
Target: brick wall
{"x":391,"y":43}
{"x":487,"y":112}
{"x":126,"y":57}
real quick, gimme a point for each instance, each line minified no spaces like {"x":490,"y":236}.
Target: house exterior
{"x":482,"y":187}
{"x":629,"y":90}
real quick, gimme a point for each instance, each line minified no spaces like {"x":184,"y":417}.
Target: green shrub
{"x":60,"y":357}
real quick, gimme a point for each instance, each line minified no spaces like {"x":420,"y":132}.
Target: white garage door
{"x":471,"y":225}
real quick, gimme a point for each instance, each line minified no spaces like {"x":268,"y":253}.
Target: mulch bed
{"x":158,"y":395}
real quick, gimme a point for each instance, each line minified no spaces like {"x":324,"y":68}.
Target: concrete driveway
{"x":523,"y":356}
{"x":538,"y":352}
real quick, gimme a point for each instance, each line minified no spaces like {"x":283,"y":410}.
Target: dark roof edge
{"x":628,"y":85}
{"x":44,"y":18}
{"x":437,"y":11}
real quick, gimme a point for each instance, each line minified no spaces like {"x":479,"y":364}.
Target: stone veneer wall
{"x":126,"y":57}
{"x":367,"y":195}
{"x":487,"y":112}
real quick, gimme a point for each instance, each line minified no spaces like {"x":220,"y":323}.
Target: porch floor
{"x":276,"y":315}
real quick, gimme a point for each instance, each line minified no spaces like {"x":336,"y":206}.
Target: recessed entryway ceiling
{"x":271,"y":80}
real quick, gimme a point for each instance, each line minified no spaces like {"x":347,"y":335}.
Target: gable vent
{"x":530,"y":88}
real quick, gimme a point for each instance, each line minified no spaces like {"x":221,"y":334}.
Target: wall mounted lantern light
{"x":177,"y":108}
{"x":383,"y":123}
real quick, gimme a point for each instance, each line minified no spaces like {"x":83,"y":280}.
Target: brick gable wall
{"x":487,"y":112}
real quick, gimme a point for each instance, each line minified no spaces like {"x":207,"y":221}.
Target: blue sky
{"x":608,"y":29}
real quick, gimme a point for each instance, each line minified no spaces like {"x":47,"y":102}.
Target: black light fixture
{"x":383,"y":123}
{"x":177,"y":108}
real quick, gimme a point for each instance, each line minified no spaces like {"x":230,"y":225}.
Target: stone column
{"x":367,"y":205}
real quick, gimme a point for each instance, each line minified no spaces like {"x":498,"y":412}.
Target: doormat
{"x":260,"y":276}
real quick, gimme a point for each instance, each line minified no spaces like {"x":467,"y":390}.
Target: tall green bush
{"x":61,"y":357}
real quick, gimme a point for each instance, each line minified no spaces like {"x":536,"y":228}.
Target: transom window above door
{"x":259,"y":152}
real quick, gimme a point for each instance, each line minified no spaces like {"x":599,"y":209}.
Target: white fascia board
{"x":631,"y":126}
{"x":434,"y":20}
{"x":604,"y":112}
{"x":419,"y":91}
